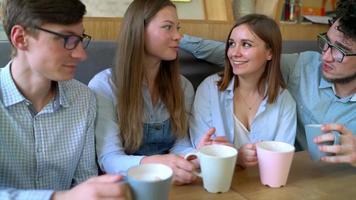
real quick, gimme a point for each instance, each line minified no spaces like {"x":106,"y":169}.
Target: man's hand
{"x":97,"y":188}
{"x":345,"y":151}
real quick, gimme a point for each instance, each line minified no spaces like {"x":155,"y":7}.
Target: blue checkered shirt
{"x":47,"y":151}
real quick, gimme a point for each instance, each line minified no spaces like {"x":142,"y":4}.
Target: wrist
{"x":58,"y":195}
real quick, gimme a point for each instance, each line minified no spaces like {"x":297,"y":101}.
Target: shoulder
{"x":309,"y":54}
{"x":211,"y":80}
{"x":76,"y":91}
{"x":102,"y":83}
{"x":187,"y":86}
{"x":100,"y":78}
{"x":308,"y":58}
{"x":285,"y":97}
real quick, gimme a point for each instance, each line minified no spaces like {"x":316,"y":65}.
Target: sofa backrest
{"x":101,"y":55}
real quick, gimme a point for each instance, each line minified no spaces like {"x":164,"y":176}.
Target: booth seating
{"x":101,"y":55}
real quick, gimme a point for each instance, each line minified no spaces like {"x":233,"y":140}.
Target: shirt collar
{"x":326,"y":84}
{"x":230,"y":90}
{"x":61,"y":97}
{"x":231,"y":85}
{"x":10,"y":94}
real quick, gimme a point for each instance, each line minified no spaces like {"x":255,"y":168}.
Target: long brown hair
{"x":268,"y":30}
{"x":128,"y":76}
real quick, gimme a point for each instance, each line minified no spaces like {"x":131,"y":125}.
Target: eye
{"x":167,"y":27}
{"x":178,"y":28}
{"x":246,"y":44}
{"x":231,"y":44}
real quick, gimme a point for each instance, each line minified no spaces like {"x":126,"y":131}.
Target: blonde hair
{"x":128,"y":76}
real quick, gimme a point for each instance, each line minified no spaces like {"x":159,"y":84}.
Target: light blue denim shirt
{"x":316,"y":100}
{"x":214,"y":108}
{"x":48,"y":151}
{"x":158,"y":138}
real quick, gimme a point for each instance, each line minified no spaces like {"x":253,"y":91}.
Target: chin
{"x":169,"y":58}
{"x":64,"y":77}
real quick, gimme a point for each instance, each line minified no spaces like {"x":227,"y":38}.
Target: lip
{"x":70,"y":66}
{"x":238,"y":62}
{"x":327,"y":68}
{"x":175,"y":47}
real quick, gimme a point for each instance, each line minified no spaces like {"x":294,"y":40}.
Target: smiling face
{"x":343,"y":72}
{"x":46,"y":56}
{"x":162,"y":36}
{"x":247,"y":53}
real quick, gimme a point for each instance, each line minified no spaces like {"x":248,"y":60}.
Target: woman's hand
{"x":182,"y":169}
{"x":345,"y":151}
{"x":210,"y":138}
{"x":247,"y":155}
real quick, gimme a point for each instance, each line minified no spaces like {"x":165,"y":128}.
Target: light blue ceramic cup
{"x":313,"y":130}
{"x":150,"y":181}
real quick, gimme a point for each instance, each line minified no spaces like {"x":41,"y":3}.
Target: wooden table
{"x":307,"y":180}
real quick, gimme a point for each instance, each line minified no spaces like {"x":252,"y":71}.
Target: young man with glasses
{"x":46,"y":117}
{"x":323,"y":85}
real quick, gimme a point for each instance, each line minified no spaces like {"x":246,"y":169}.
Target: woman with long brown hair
{"x":248,"y":102}
{"x":143,"y":102}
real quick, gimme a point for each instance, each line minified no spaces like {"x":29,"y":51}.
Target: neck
{"x":151,"y":71}
{"x":248,"y":85}
{"x":35,"y":88}
{"x":344,"y":90}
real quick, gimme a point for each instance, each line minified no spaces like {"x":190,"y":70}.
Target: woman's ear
{"x":18,"y":37}
{"x":269,"y":55}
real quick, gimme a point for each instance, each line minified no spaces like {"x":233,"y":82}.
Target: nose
{"x":79,"y":52}
{"x":177,"y":35}
{"x":327,"y":55}
{"x":235,"y":51}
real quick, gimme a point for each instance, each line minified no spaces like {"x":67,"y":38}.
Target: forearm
{"x":114,"y":163}
{"x":182,"y":146}
{"x":16,"y":194}
{"x":209,"y":50}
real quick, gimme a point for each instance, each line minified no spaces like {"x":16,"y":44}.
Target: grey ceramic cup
{"x":150,"y":181}
{"x":313,"y":130}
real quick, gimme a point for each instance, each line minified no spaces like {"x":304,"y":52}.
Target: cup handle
{"x":336,"y":137}
{"x":188,"y":156}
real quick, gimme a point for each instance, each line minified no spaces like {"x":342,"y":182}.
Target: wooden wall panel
{"x":106,"y":28}
{"x":216,"y":10}
{"x":102,"y":28}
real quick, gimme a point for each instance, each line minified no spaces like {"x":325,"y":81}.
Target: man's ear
{"x":19,"y":37}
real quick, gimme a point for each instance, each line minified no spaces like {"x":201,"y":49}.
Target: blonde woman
{"x":143,"y":102}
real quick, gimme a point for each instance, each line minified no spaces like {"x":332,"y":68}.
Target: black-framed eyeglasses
{"x":70,"y":41}
{"x":337,"y":52}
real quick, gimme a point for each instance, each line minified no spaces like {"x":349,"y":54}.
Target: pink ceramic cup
{"x":274,"y":161}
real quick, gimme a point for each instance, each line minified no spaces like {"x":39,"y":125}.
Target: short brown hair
{"x":32,"y":13}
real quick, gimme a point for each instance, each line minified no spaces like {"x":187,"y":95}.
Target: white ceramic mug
{"x":217,"y":164}
{"x":150,"y":181}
